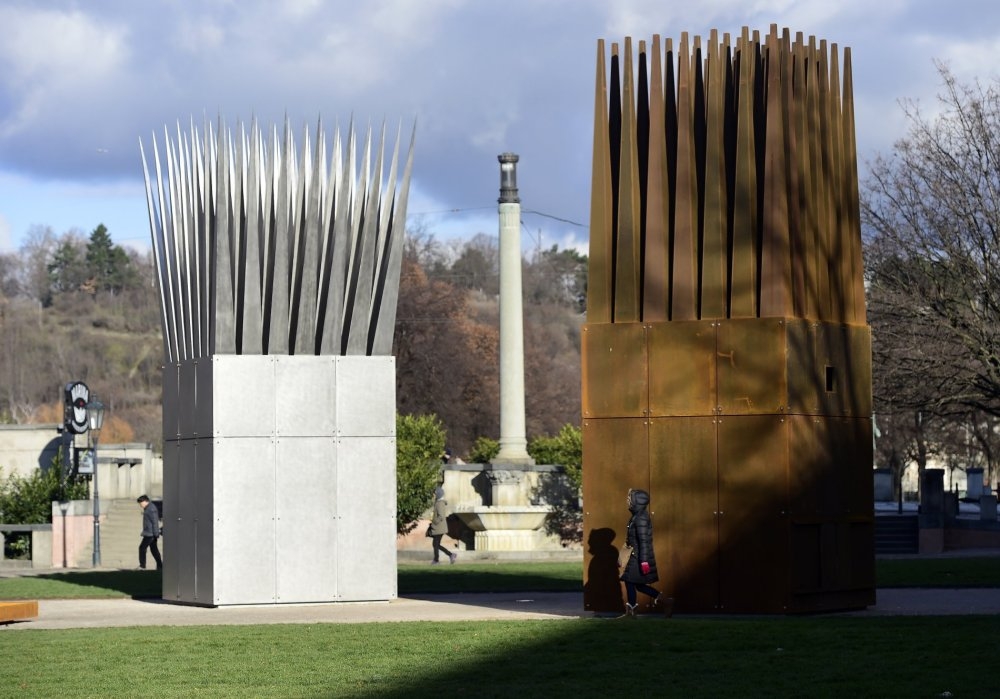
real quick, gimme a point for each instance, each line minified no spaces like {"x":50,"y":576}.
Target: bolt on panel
{"x":684,"y":496}
{"x":682,"y":368}
{"x":614,"y":370}
{"x":614,"y":452}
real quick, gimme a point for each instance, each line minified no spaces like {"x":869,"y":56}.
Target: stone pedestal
{"x":883,"y":485}
{"x":973,"y":482}
{"x":279,"y":479}
{"x":988,"y":508}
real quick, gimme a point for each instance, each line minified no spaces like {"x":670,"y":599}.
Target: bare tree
{"x":932,"y":216}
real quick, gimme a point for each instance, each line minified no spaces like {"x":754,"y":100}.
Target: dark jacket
{"x":639,"y":535}
{"x":150,"y":520}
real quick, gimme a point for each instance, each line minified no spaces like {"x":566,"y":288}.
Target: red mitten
{"x":645,"y":568}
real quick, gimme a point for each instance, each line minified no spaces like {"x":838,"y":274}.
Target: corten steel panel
{"x":832,"y":513}
{"x":187,"y":415}
{"x":243,"y":395}
{"x":186,"y":527}
{"x":614,"y":370}
{"x":244,"y":544}
{"x":171,"y":549}
{"x":171,"y":397}
{"x":682,"y":377}
{"x":204,"y":397}
{"x":205,"y":524}
{"x":305,"y":525}
{"x":753,"y":518}
{"x":813,"y":483}
{"x":829,"y":368}
{"x":751,"y":366}
{"x":305,"y":390}
{"x":683,"y":487}
{"x":365,"y":547}
{"x":615,"y":458}
{"x":366,"y":396}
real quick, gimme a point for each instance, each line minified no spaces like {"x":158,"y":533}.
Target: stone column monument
{"x":513,"y":443}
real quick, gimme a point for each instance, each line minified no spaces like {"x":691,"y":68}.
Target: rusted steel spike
{"x":775,"y":281}
{"x":819,"y":271}
{"x":744,"y":252}
{"x":714,"y":257}
{"x":852,"y":206}
{"x":792,"y":114}
{"x":685,"y":277}
{"x":599,"y":279}
{"x":627,"y":267}
{"x":827,"y":275}
{"x":655,"y":278}
{"x":842,"y":290}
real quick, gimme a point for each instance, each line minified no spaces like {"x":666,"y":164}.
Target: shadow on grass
{"x":137,"y":584}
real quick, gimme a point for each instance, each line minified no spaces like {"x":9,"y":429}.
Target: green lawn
{"x":822,"y":656}
{"x":771,"y":657}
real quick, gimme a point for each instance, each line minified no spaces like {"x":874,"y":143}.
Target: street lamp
{"x":95,"y":415}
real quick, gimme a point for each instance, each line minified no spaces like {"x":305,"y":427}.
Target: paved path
{"x":68,"y":614}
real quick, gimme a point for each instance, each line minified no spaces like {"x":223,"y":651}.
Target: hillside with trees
{"x":80,"y":307}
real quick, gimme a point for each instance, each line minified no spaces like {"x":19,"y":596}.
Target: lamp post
{"x":95,"y":414}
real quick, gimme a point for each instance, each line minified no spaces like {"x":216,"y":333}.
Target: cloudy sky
{"x":82,"y":82}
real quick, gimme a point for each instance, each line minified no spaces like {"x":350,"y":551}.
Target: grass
{"x":981,"y":571}
{"x":824,"y":656}
{"x":773,"y":657}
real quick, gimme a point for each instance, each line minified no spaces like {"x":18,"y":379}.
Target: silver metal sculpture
{"x":260,"y":251}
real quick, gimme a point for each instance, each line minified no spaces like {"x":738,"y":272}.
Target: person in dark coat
{"x":439,"y":527}
{"x":640,"y":570}
{"x":150,"y":532}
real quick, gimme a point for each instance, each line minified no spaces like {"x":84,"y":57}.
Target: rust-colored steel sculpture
{"x":726,"y":355}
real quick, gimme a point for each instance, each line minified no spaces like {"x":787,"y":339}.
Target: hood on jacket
{"x":439,"y":494}
{"x":638,"y":500}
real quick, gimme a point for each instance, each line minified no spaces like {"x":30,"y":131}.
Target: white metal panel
{"x":305,"y":396}
{"x":244,"y":544}
{"x":243,"y":395}
{"x":171,"y":495}
{"x":204,"y":541}
{"x":187,"y":399}
{"x":366,"y":518}
{"x":366,"y":396}
{"x":184,"y":528}
{"x":306,"y":527}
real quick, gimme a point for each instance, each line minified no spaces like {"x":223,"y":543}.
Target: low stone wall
{"x":75,"y":531}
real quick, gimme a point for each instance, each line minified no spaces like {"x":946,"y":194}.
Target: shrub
{"x":483,"y":450}
{"x":564,"y":449}
{"x":420,"y":441}
{"x":28,"y":500}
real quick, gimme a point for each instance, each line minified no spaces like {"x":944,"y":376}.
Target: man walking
{"x":150,"y":532}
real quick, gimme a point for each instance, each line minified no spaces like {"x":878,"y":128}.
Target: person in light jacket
{"x":439,"y":527}
{"x":640,"y":570}
{"x":150,"y":532}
